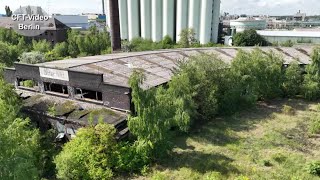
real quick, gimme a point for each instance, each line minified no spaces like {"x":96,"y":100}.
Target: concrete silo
{"x":133,"y":19}
{"x":194,"y":16}
{"x":123,"y":8}
{"x":205,"y":21}
{"x":145,"y":14}
{"x":182,"y":17}
{"x":215,"y":21}
{"x":168,"y":18}
{"x":156,"y":9}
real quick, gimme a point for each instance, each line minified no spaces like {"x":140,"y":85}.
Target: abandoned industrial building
{"x":103,"y":80}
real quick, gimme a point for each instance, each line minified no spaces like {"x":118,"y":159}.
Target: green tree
{"x":91,"y":155}
{"x":42,"y":46}
{"x":19,"y":144}
{"x":5,"y":54}
{"x":60,"y":50}
{"x":8,"y":11}
{"x":311,"y":83}
{"x":261,"y":72}
{"x":292,"y":80}
{"x":32,"y":58}
{"x":156,"y":113}
{"x":73,"y":48}
{"x":249,"y":38}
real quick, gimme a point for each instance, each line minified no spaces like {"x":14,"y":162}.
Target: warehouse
{"x":307,"y":36}
{"x":103,"y":80}
{"x":154,"y":19}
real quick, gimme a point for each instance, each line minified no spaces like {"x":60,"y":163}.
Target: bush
{"x":249,"y":38}
{"x":288,"y":110}
{"x":187,"y":38}
{"x":314,"y":168}
{"x":60,"y":50}
{"x":278,"y":157}
{"x":32,"y":58}
{"x":42,"y":46}
{"x":287,"y":43}
{"x":293,"y":79}
{"x":315,"y":125}
{"x":91,"y":155}
{"x":311,"y":86}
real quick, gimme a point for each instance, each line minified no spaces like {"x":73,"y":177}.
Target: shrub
{"x":288,"y":110}
{"x":311,"y":86}
{"x":267,"y":163}
{"x":32,"y":58}
{"x":315,"y":125}
{"x":249,"y":38}
{"x":91,"y":155}
{"x":292,"y":80}
{"x":314,"y":168}
{"x":42,"y":46}
{"x":187,"y":38}
{"x":287,"y":43}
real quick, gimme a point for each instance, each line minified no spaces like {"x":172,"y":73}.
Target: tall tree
{"x":8,"y":11}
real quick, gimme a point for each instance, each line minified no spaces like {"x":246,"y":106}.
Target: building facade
{"x":154,"y":19}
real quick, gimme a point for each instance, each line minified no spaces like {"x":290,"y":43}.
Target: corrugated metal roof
{"x":158,"y":65}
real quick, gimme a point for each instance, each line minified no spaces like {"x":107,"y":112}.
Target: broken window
{"x":56,"y":88}
{"x":88,"y":94}
{"x":27,"y":83}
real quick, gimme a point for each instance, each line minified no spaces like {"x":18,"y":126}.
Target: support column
{"x":182,"y":17}
{"x":206,"y":21}
{"x":145,"y":14}
{"x":133,"y":19}
{"x":168,"y":18}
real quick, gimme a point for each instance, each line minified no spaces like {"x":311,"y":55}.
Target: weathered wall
{"x":10,"y":75}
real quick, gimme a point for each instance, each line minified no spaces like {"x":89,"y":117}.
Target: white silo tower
{"x":123,"y":16}
{"x":215,"y":21}
{"x":145,"y":14}
{"x":168,"y":18}
{"x":205,"y":21}
{"x":194,"y":16}
{"x":156,"y":9}
{"x":182,"y":17}
{"x":133,"y":19}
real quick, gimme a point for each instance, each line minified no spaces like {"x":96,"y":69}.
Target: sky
{"x":268,"y":7}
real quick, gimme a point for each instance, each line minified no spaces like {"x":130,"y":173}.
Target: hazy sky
{"x":272,"y":7}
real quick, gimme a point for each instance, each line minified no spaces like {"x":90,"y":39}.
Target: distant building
{"x":300,"y":16}
{"x":55,"y":33}
{"x":297,"y":36}
{"x":245,"y":23}
{"x":73,"y":21}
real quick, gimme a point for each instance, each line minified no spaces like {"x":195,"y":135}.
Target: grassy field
{"x":261,"y":143}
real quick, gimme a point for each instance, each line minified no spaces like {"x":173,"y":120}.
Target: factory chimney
{"x":103,"y":10}
{"x":114,"y":25}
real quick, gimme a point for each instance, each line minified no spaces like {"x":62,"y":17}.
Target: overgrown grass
{"x":261,"y":143}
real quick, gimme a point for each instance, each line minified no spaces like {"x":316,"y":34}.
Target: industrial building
{"x":245,"y":23}
{"x":98,"y":85}
{"x":306,"y":36}
{"x":80,"y":22}
{"x":104,"y":79}
{"x":154,"y":19}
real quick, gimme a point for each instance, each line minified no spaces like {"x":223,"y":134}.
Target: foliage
{"x":187,"y":38}
{"x":73,"y":48}
{"x":32,"y":58}
{"x":315,"y":125}
{"x":314,"y":168}
{"x":249,"y":38}
{"x":287,"y":43}
{"x":60,"y":50}
{"x":292,"y":80}
{"x":167,"y":42}
{"x":4,"y":54}
{"x":91,"y":155}
{"x":311,"y":86}
{"x":156,"y":113}
{"x":19,"y":150}
{"x":42,"y":46}
{"x":8,"y":11}
{"x":261,"y":73}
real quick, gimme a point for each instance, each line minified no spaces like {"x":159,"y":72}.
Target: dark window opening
{"x":28,"y":83}
{"x":57,"y":88}
{"x":88,"y":94}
